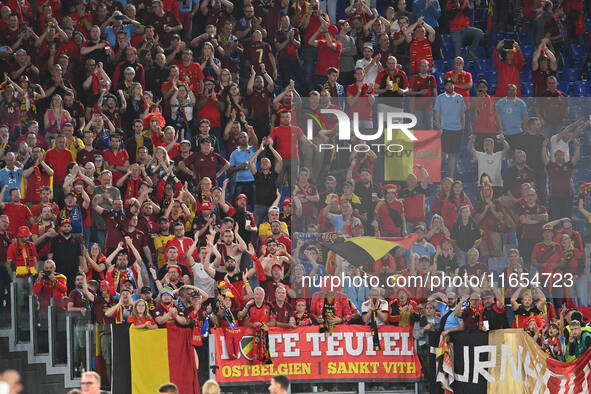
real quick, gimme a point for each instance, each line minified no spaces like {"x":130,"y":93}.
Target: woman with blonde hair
{"x":210,"y":387}
{"x":55,"y":117}
{"x":140,"y":316}
{"x":160,"y":165}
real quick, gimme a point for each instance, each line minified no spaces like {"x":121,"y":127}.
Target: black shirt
{"x":66,"y":253}
{"x":266,"y":186}
{"x":531,"y":144}
{"x":497,"y":319}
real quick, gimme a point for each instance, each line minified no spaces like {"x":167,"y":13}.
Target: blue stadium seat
{"x":570,"y":75}
{"x":577,"y":51}
{"x":446,"y":41}
{"x":564,"y":87}
{"x":528,"y":52}
{"x":480,"y":14}
{"x":523,"y":39}
{"x":439,"y":78}
{"x":440,"y":65}
{"x":527,"y":89}
{"x":525,"y":76}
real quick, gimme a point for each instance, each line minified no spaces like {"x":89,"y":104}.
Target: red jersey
{"x":418,"y":83}
{"x":484,"y":114}
{"x":205,"y":165}
{"x":116,"y":159}
{"x":59,"y":161}
{"x":263,"y":314}
{"x":546,"y":255}
{"x":531,"y":231}
{"x":462,"y":18}
{"x":182,"y":248}
{"x":327,"y":57}
{"x":508,"y":73}
{"x":39,"y":229}
{"x":420,"y":50}
{"x":462,"y":78}
{"x":259,"y":53}
{"x":19,"y":215}
{"x":193,"y":72}
{"x":286,"y":140}
{"x":362,"y":106}
{"x":383,"y":212}
{"x":560,"y":179}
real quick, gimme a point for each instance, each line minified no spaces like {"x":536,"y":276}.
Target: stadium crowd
{"x":155,"y":171}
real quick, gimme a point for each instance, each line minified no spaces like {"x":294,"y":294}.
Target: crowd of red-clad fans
{"x":155,"y":171}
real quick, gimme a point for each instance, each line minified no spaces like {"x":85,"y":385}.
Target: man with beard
{"x":204,"y":163}
{"x":231,"y":274}
{"x":132,"y":180}
{"x":243,"y":180}
{"x":446,"y":304}
{"x":181,"y":243}
{"x":166,"y":313}
{"x":43,"y":232}
{"x":112,"y":110}
{"x":259,"y":95}
{"x":65,"y":251}
{"x":122,"y":272}
{"x":518,"y":174}
{"x":244,"y":218}
{"x":265,"y":179}
{"x":276,"y":254}
{"x":493,"y":316}
{"x":278,"y":235}
{"x":227,"y":247}
{"x":203,"y":221}
{"x":37,"y":174}
{"x":121,"y":311}
{"x":19,"y":213}
{"x":161,"y":239}
{"x":45,"y":202}
{"x":129,"y":61}
{"x":74,"y":211}
{"x":138,"y":140}
{"x":116,"y":158}
{"x":527,"y":308}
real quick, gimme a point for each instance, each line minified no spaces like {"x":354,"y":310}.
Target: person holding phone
{"x":508,"y":60}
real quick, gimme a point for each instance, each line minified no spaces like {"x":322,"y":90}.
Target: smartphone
{"x":508,"y":44}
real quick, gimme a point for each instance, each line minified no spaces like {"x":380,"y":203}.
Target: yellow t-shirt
{"x":159,"y":242}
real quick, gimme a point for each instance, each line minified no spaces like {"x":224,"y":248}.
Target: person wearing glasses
{"x":91,"y":383}
{"x":11,"y":175}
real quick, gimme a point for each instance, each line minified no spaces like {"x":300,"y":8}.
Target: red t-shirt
{"x":116,"y":159}
{"x":386,"y":222}
{"x":182,"y":248}
{"x":264,"y":314}
{"x":45,"y":247}
{"x":205,"y":165}
{"x":362,"y":106}
{"x":484,"y":114}
{"x":461,"y":20}
{"x":546,"y":254}
{"x":193,"y":71}
{"x":420,"y":50}
{"x":560,"y":179}
{"x":463,"y":78}
{"x":18,"y":214}
{"x":59,"y":161}
{"x":210,"y":112}
{"x":419,"y":83}
{"x":531,"y":231}
{"x":327,"y":57}
{"x":286,"y":140}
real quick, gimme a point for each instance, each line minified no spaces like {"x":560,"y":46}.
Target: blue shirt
{"x":12,"y":179}
{"x":111,"y":36}
{"x":450,"y":109}
{"x":239,"y":157}
{"x":423,"y":250}
{"x":511,"y":114}
{"x":320,"y":273}
{"x":339,"y":223}
{"x":451,"y":321}
{"x":185,"y":9}
{"x":357,"y":295}
{"x":430,"y":15}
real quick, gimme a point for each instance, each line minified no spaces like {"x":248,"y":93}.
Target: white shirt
{"x":203,"y":280}
{"x":491,"y":165}
{"x":371,"y":75}
{"x":557,"y":143}
{"x":382,"y":308}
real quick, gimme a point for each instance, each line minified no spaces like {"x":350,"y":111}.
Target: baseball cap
{"x":286,"y":201}
{"x":145,"y":290}
{"x":186,"y":142}
{"x":448,"y":80}
{"x":206,"y":205}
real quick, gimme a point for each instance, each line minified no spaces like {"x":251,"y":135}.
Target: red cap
{"x":68,"y":221}
{"x":340,"y":23}
{"x":206,"y":205}
{"x":559,"y":151}
{"x":78,"y":179}
{"x":286,"y":201}
{"x":333,"y":30}
{"x":23,"y":232}
{"x":276,"y":265}
{"x":241,"y":195}
{"x":390,"y":188}
{"x":210,"y":78}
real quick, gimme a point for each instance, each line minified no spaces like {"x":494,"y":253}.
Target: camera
{"x":46,"y":274}
{"x":314,"y":8}
{"x":211,"y":37}
{"x":508,"y":44}
{"x":119,"y":17}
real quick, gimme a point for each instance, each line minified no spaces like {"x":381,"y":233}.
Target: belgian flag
{"x":145,"y":359}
